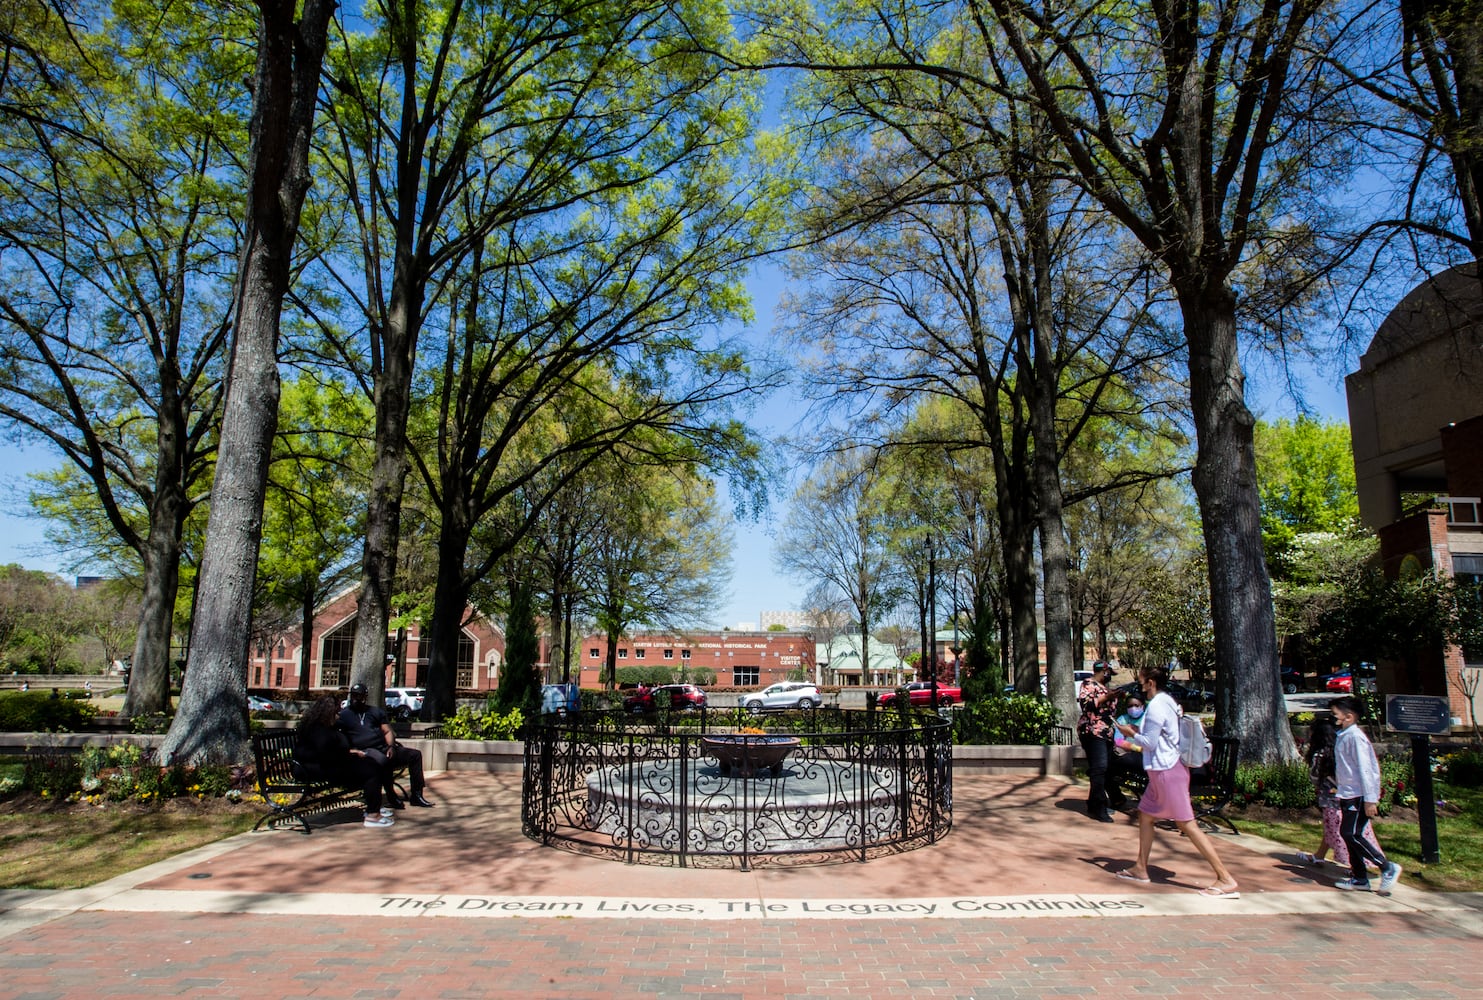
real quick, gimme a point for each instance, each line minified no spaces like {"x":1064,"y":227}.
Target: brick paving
{"x":1013,"y":840}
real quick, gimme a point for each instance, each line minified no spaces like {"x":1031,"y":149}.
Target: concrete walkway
{"x":1019,"y":900}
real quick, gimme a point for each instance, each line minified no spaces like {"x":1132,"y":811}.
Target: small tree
{"x":519,"y":685}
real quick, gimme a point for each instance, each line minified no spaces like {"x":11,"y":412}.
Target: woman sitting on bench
{"x":321,"y":753}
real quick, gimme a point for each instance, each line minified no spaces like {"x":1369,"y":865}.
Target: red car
{"x":680,"y":697}
{"x":920,"y":693}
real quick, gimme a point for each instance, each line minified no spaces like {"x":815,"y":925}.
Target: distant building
{"x":796,"y":621}
{"x":739,"y":659}
{"x":275,"y":663}
{"x":1416,"y":419}
{"x":840,"y":663}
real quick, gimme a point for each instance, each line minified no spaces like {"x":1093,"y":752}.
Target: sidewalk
{"x":1018,"y":900}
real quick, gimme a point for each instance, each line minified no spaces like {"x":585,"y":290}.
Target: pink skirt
{"x":1167,"y":795}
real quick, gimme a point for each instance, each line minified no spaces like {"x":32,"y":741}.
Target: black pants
{"x":1097,"y":751}
{"x":365,"y":774}
{"x":1120,"y":767}
{"x":408,"y":757}
{"x":1352,"y":825}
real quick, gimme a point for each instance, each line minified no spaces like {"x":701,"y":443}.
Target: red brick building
{"x":275,"y":663}
{"x":1416,"y":420}
{"x":740,"y":659}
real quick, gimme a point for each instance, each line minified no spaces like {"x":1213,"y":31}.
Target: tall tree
{"x":835,"y":538}
{"x":211,"y":723}
{"x":1305,"y":473}
{"x":1206,"y":170}
{"x":313,"y":507}
{"x":461,"y":118}
{"x":118,"y":187}
{"x":661,"y":562}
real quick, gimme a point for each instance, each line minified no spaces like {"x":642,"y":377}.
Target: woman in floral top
{"x":1095,"y":730}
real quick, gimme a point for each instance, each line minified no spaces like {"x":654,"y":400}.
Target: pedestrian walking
{"x":1319,"y":753}
{"x":1357,"y":787}
{"x":1167,"y":795}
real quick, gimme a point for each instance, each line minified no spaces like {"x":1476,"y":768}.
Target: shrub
{"x":152,"y":723}
{"x":1463,"y":769}
{"x":466,"y":724}
{"x":1282,"y":786}
{"x":1396,"y":785}
{"x":1022,"y":719}
{"x":39,"y":712}
{"x":51,"y":773}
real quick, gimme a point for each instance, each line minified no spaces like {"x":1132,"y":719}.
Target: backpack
{"x":1194,"y":745}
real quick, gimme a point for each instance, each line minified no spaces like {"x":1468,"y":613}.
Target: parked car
{"x":639,"y":699}
{"x":1292,"y":681}
{"x":403,"y":703}
{"x":920,"y":693}
{"x":1188,"y":698}
{"x":784,"y":694}
{"x":1341,"y":681}
{"x":257,"y":703}
{"x":681,"y":696}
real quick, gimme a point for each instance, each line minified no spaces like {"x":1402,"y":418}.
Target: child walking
{"x":1319,"y":753}
{"x":1357,"y":787}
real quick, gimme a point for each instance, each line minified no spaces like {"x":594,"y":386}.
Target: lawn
{"x":1460,"y":836}
{"x":49,"y":845}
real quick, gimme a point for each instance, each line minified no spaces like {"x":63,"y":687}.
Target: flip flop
{"x":1215,"y":890}
{"x":1125,"y":873}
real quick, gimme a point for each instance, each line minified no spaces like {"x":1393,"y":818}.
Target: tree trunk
{"x":1249,"y":702}
{"x":149,"y":670}
{"x":393,"y":397}
{"x":450,"y":599}
{"x":306,"y":640}
{"x":211,"y":724}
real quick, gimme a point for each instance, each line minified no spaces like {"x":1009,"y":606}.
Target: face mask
{"x":1135,"y":713}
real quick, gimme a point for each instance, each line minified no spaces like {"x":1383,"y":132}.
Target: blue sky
{"x":756,"y":585}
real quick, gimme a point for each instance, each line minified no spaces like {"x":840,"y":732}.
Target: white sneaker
{"x":1304,"y":858}
{"x":387,"y":812}
{"x":1390,"y":877}
{"x":379,"y":821}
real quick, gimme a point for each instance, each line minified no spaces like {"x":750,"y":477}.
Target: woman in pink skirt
{"x":1167,"y":796}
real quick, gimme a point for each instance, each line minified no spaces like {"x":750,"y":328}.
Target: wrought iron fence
{"x":704,"y":790}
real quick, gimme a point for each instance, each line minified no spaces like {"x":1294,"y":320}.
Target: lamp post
{"x":932,"y":613}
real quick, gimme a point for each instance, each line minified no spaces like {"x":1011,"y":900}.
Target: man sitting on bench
{"x":322,"y":754}
{"x":368,"y":729}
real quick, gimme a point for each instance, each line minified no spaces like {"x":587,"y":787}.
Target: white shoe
{"x":379,"y":821}
{"x":387,"y":812}
{"x":1304,"y":858}
{"x":1390,"y":877}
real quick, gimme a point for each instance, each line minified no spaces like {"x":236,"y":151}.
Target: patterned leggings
{"x":1331,"y":837}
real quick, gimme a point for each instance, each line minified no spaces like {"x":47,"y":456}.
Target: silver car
{"x":784,"y":694}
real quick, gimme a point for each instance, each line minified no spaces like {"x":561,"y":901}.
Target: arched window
{"x":464,"y":678}
{"x":336,"y":650}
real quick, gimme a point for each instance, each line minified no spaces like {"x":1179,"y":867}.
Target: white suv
{"x":404,"y":703}
{"x":786,"y":694}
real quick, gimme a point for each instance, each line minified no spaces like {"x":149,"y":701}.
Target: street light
{"x":932,"y":612}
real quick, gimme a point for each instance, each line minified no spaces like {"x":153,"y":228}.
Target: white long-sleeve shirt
{"x":1356,"y":771}
{"x":1158,"y":736}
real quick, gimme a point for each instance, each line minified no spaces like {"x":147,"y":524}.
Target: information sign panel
{"x":1418,"y":713}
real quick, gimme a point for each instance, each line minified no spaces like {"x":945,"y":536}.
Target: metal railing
{"x":653,"y":790}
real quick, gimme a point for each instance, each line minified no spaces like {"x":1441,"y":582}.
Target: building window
{"x":593,"y":653}
{"x":257,"y":676}
{"x":638,"y":654}
{"x":280,"y":650}
{"x":279,"y":681}
{"x":622,"y":654}
{"x":669,"y":654}
{"x":464,"y":675}
{"x":684,"y":654}
{"x":745,"y":676}
{"x":335,"y":654}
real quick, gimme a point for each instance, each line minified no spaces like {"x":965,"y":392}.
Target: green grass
{"x":74,"y":846}
{"x":1459,"y":836}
